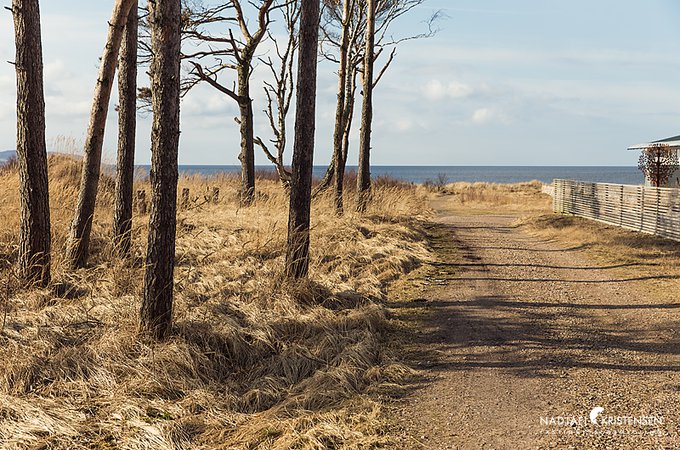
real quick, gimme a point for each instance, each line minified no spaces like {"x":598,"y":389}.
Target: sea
{"x":450,"y":174}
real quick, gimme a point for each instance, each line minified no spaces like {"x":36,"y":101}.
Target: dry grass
{"x":491,"y":198}
{"x":519,"y":195}
{"x":253,"y":362}
{"x":655,"y":260}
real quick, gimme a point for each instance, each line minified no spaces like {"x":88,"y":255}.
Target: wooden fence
{"x":640,"y":208}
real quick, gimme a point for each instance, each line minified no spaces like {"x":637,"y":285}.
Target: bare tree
{"x":341,"y":28}
{"x":364,"y":172}
{"x":79,"y":239}
{"x":337,"y":27}
{"x":156,"y":309}
{"x":127,"y":124}
{"x":658,"y":162}
{"x":34,"y":235}
{"x":297,"y":250}
{"x":342,"y":108}
{"x":239,"y":53}
{"x":280,"y":91}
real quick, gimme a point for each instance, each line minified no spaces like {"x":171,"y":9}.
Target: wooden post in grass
{"x":141,"y":201}
{"x":184,"y":202}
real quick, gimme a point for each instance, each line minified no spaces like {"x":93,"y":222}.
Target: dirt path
{"x":517,"y":329}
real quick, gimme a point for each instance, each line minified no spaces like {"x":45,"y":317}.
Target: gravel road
{"x":523,"y":338}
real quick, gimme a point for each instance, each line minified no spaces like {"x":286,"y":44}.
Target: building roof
{"x":671,"y":142}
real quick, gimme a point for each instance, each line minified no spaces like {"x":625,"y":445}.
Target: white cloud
{"x":206,"y":101}
{"x":404,"y":124}
{"x":56,"y":69}
{"x":483,"y":116}
{"x":436,"y":90}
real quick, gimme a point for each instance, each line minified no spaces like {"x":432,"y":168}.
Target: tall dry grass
{"x":253,"y":361}
{"x":522,"y":195}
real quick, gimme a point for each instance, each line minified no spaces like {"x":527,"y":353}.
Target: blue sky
{"x":525,"y":82}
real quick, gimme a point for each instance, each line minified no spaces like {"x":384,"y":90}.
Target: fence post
{"x":184,"y":204}
{"x":642,"y":207}
{"x":621,"y":210}
{"x":141,"y":201}
{"x":658,"y":207}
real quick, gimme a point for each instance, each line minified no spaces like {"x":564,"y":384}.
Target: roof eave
{"x":671,"y":144}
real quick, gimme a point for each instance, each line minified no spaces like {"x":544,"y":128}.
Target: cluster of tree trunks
{"x":127,"y":127}
{"x":79,"y":239}
{"x":342,"y":107}
{"x":166,"y":23}
{"x":363,"y":26}
{"x":364,"y":172}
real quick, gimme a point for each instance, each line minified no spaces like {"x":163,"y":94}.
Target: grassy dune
{"x":493,"y":198}
{"x":463,"y":198}
{"x":253,"y":362}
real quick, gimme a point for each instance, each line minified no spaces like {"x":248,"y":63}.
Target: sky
{"x":526,"y":82}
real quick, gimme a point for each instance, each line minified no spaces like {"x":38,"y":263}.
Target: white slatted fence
{"x":640,"y":208}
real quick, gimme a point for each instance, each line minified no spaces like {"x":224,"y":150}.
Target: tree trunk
{"x":127,"y":124}
{"x":327,"y":179}
{"x":341,"y":162}
{"x":351,"y":95}
{"x":79,"y":239}
{"x":297,"y":251}
{"x":364,"y":175}
{"x":156,"y":309}
{"x":247,"y":156}
{"x":34,"y":235}
{"x":340,"y":109}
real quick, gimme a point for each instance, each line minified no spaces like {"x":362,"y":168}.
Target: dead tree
{"x":346,"y":15}
{"x":280,"y":92}
{"x":364,"y":172}
{"x":337,"y":28}
{"x":341,"y":110}
{"x":79,"y":239}
{"x":156,"y":310}
{"x":658,"y":162}
{"x":127,"y":124}
{"x":34,"y":234}
{"x":297,"y":249}
{"x":224,"y":51}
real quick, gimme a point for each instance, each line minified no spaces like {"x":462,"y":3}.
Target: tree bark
{"x":297,"y":251}
{"x":156,"y":309}
{"x":79,"y":239}
{"x":349,"y":109}
{"x":328,"y":177}
{"x":341,"y":109}
{"x":247,"y":155}
{"x":34,"y":234}
{"x":364,"y":173}
{"x":127,"y":124}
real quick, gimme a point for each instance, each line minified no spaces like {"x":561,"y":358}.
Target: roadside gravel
{"x":518,"y":331}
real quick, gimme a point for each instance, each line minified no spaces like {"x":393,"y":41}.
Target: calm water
{"x":513,"y":174}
